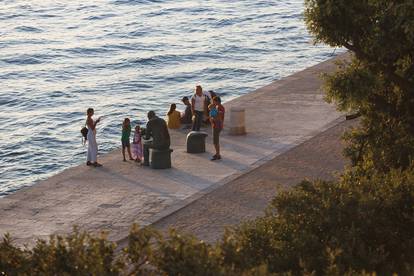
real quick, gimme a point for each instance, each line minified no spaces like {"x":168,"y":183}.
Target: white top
{"x":199,"y":102}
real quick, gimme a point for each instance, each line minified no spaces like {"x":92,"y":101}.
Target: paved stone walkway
{"x":246,"y":197}
{"x":279,"y":117}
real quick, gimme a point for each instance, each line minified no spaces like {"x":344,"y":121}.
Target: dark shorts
{"x":216,"y":136}
{"x":125,"y":144}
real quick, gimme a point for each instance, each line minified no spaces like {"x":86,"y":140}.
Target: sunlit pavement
{"x":279,"y":117}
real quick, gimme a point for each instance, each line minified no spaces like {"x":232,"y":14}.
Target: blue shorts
{"x":125,"y":144}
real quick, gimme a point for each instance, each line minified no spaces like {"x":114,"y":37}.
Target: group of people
{"x":201,"y":108}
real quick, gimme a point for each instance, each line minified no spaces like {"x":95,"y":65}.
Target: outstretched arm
{"x":96,"y":122}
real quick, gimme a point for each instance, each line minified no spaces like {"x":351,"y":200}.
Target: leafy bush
{"x":379,"y":82}
{"x":76,"y":254}
{"x":362,"y":223}
{"x":365,"y":221}
{"x":186,"y":255}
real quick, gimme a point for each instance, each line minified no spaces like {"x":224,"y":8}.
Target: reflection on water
{"x":124,"y":58}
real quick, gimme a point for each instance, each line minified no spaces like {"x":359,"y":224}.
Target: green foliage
{"x":364,"y":222}
{"x":379,"y":82}
{"x":140,"y":251}
{"x":186,"y":255}
{"x":385,"y":136}
{"x":13,"y":260}
{"x":76,"y":254}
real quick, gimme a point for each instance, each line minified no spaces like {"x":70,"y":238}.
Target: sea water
{"x":124,"y":58}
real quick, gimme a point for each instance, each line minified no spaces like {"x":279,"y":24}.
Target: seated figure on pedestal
{"x":158,"y":131}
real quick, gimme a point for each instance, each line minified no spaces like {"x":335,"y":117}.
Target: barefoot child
{"x":126,"y":132}
{"x":137,"y":145}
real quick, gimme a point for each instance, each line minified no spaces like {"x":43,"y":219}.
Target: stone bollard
{"x":160,"y":158}
{"x":237,"y":121}
{"x":196,"y":142}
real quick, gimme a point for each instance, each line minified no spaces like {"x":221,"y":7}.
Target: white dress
{"x":92,"y":146}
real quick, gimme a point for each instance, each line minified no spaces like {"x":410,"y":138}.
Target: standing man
{"x":198,"y":107}
{"x":217,"y":123}
{"x":158,"y":130}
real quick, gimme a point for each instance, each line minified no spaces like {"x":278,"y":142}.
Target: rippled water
{"x":125,"y":57}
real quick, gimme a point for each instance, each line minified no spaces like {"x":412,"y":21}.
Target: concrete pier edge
{"x":120,"y":194}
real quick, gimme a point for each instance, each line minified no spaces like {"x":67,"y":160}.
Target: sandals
{"x":215,"y":157}
{"x":96,"y":164}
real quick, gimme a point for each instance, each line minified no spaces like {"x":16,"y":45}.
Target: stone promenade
{"x":247,"y":196}
{"x":279,"y":117}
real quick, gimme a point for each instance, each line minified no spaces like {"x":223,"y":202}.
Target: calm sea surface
{"x":125,"y":57}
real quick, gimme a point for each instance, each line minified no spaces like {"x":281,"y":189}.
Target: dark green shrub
{"x":76,"y":254}
{"x":367,"y":219}
{"x":364,"y":222}
{"x":185,"y":255}
{"x":379,"y":82}
{"x":13,"y":260}
{"x":140,"y":253}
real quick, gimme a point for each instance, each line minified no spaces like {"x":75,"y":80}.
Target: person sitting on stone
{"x":173,"y":117}
{"x":158,"y":130}
{"x":186,"y":118}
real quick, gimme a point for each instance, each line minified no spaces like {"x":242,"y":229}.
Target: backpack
{"x":84,"y":132}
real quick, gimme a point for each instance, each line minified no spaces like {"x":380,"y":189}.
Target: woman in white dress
{"x":91,"y":137}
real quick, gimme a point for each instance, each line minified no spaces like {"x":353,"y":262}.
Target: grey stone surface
{"x":279,"y":117}
{"x":247,"y":197}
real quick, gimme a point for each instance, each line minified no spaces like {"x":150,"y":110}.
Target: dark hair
{"x":124,"y":123}
{"x":217,"y":99}
{"x":172,"y":108}
{"x":184,"y":99}
{"x":89,"y":110}
{"x":151,"y":114}
{"x":212,"y":93}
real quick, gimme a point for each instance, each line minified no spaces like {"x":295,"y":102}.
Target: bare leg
{"x":217,"y":147}
{"x":129,"y":153}
{"x":123,"y":153}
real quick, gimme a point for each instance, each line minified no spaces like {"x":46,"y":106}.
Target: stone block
{"x":160,"y":158}
{"x":237,"y":121}
{"x":196,"y":142}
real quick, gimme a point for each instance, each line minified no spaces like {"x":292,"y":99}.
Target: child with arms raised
{"x":126,"y":133}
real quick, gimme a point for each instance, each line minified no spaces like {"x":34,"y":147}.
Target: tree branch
{"x":388,"y":69}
